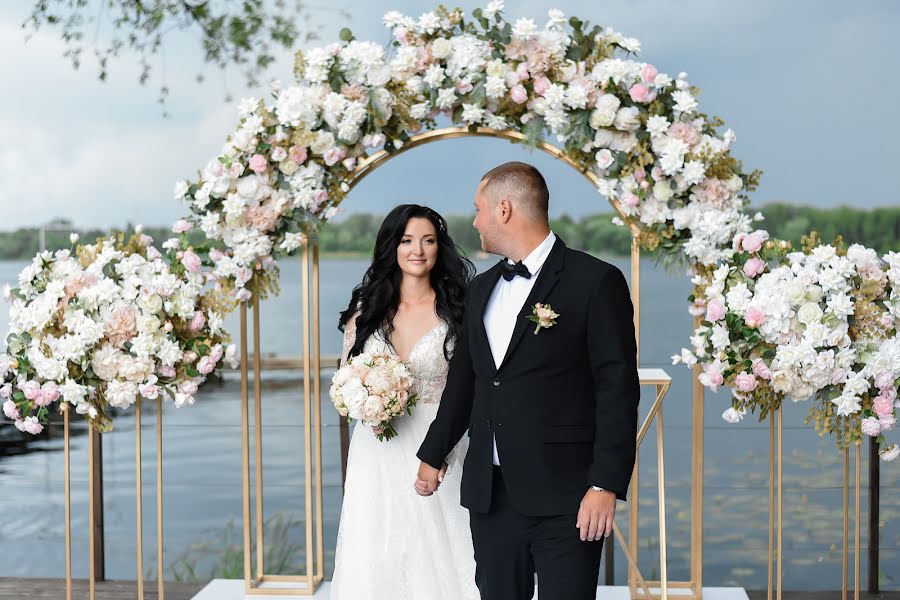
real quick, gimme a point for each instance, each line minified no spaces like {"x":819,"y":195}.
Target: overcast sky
{"x":810,"y":88}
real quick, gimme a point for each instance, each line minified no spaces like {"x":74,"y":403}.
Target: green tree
{"x":245,"y":34}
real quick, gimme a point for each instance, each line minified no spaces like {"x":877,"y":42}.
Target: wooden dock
{"x":13,"y":588}
{"x":55,"y":589}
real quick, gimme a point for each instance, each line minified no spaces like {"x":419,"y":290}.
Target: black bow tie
{"x":511,"y":270}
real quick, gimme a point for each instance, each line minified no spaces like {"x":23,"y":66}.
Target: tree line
{"x":354,"y":235}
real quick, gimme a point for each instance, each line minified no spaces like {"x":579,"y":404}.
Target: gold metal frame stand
{"x":259,"y":582}
{"x":856,"y":531}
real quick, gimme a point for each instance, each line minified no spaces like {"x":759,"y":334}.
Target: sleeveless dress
{"x":393,"y":544}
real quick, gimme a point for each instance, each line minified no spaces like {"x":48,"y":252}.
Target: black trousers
{"x":510,"y":548}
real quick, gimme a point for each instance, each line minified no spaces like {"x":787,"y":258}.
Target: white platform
{"x":233,"y":589}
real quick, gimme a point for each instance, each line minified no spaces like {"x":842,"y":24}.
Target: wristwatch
{"x":598,"y":489}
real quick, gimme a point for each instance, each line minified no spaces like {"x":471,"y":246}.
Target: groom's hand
{"x":596,"y":514}
{"x":429,"y":479}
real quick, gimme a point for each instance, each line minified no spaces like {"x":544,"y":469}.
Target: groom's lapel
{"x":547,"y":279}
{"x":492,"y":275}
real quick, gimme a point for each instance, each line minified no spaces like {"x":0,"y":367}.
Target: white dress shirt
{"x":506,"y":302}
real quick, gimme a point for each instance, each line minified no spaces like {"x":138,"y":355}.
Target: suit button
{"x":496,"y":382}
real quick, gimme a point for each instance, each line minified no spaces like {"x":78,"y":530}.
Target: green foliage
{"x":245,"y":34}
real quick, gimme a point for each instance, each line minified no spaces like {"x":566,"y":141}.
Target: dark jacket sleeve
{"x":613,"y":358}
{"x":453,"y":415}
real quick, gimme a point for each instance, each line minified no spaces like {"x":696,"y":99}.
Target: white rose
{"x":605,"y":112}
{"x":106,"y":362}
{"x":794,"y":292}
{"x":440,"y":48}
{"x":604,"y":159}
{"x":121,"y":394}
{"x":889,"y":454}
{"x":809,"y":313}
{"x":324,"y":141}
{"x":663,"y":191}
{"x":814,"y":293}
{"x":627,"y":119}
{"x":733,"y":416}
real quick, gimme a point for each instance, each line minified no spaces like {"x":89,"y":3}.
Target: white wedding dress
{"x":393,"y":544}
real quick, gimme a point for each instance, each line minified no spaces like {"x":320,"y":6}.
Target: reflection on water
{"x":202,"y":497}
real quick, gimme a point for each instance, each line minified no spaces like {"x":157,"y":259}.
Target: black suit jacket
{"x":562,"y":404}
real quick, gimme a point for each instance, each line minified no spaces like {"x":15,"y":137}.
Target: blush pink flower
{"x":191,"y":261}
{"x":630,"y":200}
{"x":519,"y":94}
{"x":883,"y":406}
{"x":206,"y":365}
{"x":648,"y":73}
{"x":870,"y":426}
{"x":333,"y":156}
{"x":10,"y":410}
{"x":754,"y":317}
{"x":713,"y":377}
{"x":754,"y":241}
{"x":49,"y":394}
{"x":715,"y":310}
{"x":258,"y":164}
{"x":745,"y":382}
{"x":181,"y":225}
{"x":541,"y":85}
{"x":464,"y":86}
{"x":298,"y":154}
{"x":755,"y":266}
{"x":761,"y":370}
{"x":884,"y":381}
{"x":31,"y":389}
{"x":278,"y":154}
{"x":639,"y":92}
{"x":198,"y":321}
{"x":166,"y":371}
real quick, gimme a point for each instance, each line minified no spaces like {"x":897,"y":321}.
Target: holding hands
{"x":429,"y":479}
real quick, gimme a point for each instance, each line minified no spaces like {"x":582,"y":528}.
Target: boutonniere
{"x":543,"y":315}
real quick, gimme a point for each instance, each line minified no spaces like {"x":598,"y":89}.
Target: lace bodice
{"x":426,"y":360}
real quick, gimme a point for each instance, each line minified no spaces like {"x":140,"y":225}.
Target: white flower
{"x":472,"y":113}
{"x":809,"y":313}
{"x":657,"y":125}
{"x":524,"y":29}
{"x":684,"y":102}
{"x":429,"y":23}
{"x":441,"y":48}
{"x":733,"y":415}
{"x":434,"y":76}
{"x":890,"y":453}
{"x":181,"y":188}
{"x":847,"y":404}
{"x":121,"y":394}
{"x":693,"y":172}
{"x":493,"y":7}
{"x":627,"y":118}
{"x":604,"y":158}
{"x":105,"y":362}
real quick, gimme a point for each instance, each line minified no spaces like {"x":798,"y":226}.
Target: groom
{"x":550,"y":405}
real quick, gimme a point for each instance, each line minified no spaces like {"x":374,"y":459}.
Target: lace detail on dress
{"x":349,"y":338}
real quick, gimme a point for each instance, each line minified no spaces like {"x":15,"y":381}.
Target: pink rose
{"x":464,"y":86}
{"x":640,"y":174}
{"x":755,"y":266}
{"x":49,"y":394}
{"x":754,"y":241}
{"x":754,"y":317}
{"x":191,"y":261}
{"x":334,"y":155}
{"x":6,"y":390}
{"x":870,"y":426}
{"x":30,"y":425}
{"x":639,"y":92}
{"x":198,"y":321}
{"x":541,"y":85}
{"x":519,"y":94}
{"x":181,"y":225}
{"x":188,"y":357}
{"x":883,"y":406}
{"x":715,"y":310}
{"x":297,"y":154}
{"x":235,"y":170}
{"x":278,"y":154}
{"x":522,"y":72}
{"x":206,"y":365}
{"x":630,"y":200}
{"x":189,"y":387}
{"x":713,"y":377}
{"x":648,"y":73}
{"x":32,"y":389}
{"x":761,"y":370}
{"x":258,"y":164}
{"x":884,"y":381}
{"x":887,"y":320}
{"x":887,"y":422}
{"x":320,"y":196}
{"x":349,"y":163}
{"x":166,"y":371}
{"x":243,"y":295}
{"x":10,"y":410}
{"x":745,"y":382}
{"x":216,"y":353}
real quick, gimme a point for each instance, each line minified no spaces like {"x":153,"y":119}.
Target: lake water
{"x":202,"y":459}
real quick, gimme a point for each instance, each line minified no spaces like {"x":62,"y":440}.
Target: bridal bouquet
{"x":98,"y":326}
{"x":375,"y":389}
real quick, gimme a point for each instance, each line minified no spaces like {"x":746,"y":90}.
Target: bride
{"x":392,"y":543}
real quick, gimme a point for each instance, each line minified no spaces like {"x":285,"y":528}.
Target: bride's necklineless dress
{"x":393,"y":544}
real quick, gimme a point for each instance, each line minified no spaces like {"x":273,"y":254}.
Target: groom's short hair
{"x":521,"y":183}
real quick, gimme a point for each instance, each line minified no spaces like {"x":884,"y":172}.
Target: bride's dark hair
{"x":376,"y":299}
